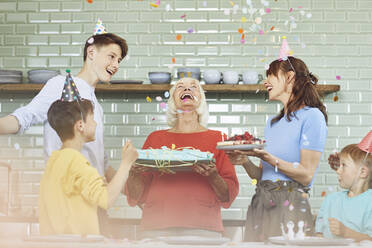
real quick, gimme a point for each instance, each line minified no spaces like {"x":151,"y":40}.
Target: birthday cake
{"x":172,"y":158}
{"x":242,"y":139}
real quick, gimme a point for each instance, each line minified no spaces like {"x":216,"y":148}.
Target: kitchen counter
{"x":117,"y":243}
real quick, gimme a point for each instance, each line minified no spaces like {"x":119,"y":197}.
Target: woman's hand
{"x":334,"y":161}
{"x":205,"y":169}
{"x":260,"y":153}
{"x":236,"y":157}
{"x":336,"y":227}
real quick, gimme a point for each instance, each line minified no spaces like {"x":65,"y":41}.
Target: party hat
{"x":366,"y":143}
{"x":99,"y":29}
{"x":70,"y":93}
{"x":285,"y":51}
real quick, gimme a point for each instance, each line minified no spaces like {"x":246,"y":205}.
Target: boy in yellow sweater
{"x":71,"y":189}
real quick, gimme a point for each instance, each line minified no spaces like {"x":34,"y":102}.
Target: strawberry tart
{"x":244,"y":141}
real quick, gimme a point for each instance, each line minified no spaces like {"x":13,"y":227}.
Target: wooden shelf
{"x":149,"y":88}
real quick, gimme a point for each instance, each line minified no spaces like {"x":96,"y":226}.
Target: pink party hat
{"x":285,"y":51}
{"x":366,"y":143}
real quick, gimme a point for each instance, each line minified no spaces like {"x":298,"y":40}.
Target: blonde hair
{"x":202,"y":110}
{"x":359,"y":157}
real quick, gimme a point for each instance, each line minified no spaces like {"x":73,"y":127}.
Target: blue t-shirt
{"x":285,"y":139}
{"x":354,"y":212}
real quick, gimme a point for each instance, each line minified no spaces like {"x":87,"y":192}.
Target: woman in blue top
{"x":295,"y":140}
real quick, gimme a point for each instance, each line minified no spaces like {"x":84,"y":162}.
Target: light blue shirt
{"x":285,"y":139}
{"x":36,"y":113}
{"x":354,"y":212}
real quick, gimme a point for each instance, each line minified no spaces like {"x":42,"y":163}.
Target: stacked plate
{"x":10,"y":77}
{"x":41,"y":76}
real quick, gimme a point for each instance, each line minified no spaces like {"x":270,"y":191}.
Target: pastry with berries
{"x":241,"y":139}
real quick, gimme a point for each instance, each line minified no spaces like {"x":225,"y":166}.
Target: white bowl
{"x":250,"y":77}
{"x":212,"y":77}
{"x":230,"y":77}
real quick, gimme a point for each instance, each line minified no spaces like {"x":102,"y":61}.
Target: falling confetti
{"x":261,"y":32}
{"x":240,"y":30}
{"x":148,"y":99}
{"x":17,"y":146}
{"x":154,"y":5}
{"x":190,"y":30}
{"x":163,"y":105}
{"x":272,"y":28}
{"x":153,"y":118}
{"x":232,"y":3}
{"x":338,"y":77}
{"x":272,"y":203}
{"x":242,"y":41}
{"x":90,"y":1}
{"x":178,"y":37}
{"x":323,"y":194}
{"x":254,"y":181}
{"x":267,"y":10}
{"x":286,"y":203}
{"x":183,"y":16}
{"x":173,"y":146}
{"x":173,"y":60}
{"x":243,"y":19}
{"x":335,"y":98}
{"x":166,"y":94}
{"x":258,"y":20}
{"x":291,"y":207}
{"x":158,"y":98}
{"x":290,"y":10}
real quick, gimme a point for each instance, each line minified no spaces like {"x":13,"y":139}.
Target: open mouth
{"x":269,"y":88}
{"x":110,"y":72}
{"x":186,"y":96}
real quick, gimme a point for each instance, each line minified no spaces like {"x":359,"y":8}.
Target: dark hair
{"x":359,"y":157}
{"x":63,"y":115}
{"x":303,"y":91}
{"x":100,"y":40}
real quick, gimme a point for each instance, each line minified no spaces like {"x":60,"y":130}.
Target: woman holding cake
{"x":295,"y":140}
{"x":184,"y":203}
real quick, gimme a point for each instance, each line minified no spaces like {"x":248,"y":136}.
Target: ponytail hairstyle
{"x":304,"y":88}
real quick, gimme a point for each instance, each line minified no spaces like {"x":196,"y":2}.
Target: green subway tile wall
{"x":334,"y":38}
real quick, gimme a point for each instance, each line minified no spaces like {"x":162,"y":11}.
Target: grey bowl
{"x":193,"y":72}
{"x":10,"y":79}
{"x":160,"y":77}
{"x":41,"y":76}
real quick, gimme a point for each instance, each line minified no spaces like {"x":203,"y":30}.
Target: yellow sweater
{"x":70,"y":191}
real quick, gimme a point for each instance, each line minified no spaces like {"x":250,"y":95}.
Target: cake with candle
{"x":241,"y":141}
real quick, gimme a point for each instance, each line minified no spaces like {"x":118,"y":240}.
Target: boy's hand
{"x":334,"y":161}
{"x":336,"y":227}
{"x":129,"y":154}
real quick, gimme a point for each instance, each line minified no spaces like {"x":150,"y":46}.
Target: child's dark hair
{"x":359,"y":157}
{"x":63,"y":115}
{"x":100,"y":40}
{"x":304,"y":90}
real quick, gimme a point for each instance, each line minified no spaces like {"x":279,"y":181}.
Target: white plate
{"x":241,"y":147}
{"x":193,"y":240}
{"x":310,"y":241}
{"x":65,"y":238}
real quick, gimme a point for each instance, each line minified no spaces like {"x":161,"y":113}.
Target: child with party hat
{"x":71,"y":189}
{"x":103,"y":53}
{"x":348,"y":214}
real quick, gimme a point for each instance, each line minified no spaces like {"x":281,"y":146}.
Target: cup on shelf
{"x":212,"y":77}
{"x":230,"y":77}
{"x":250,"y":77}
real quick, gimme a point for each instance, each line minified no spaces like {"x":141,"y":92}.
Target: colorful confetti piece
{"x":286,"y":203}
{"x":178,"y":37}
{"x":90,"y":1}
{"x":290,"y":10}
{"x":240,"y":30}
{"x":163,"y":105}
{"x":272,"y":203}
{"x":258,"y":20}
{"x":153,"y":118}
{"x":154,"y":5}
{"x":291,"y":207}
{"x":338,"y":77}
{"x":254,"y":181}
{"x":232,"y":3}
{"x":272,"y":28}
{"x":323,"y":194}
{"x":261,"y":32}
{"x":173,"y":146}
{"x":267,"y":10}
{"x":173,"y":60}
{"x":183,"y":16}
{"x":158,"y":98}
{"x":148,"y":99}
{"x":243,"y":19}
{"x":335,"y":98}
{"x":190,"y":30}
{"x":242,"y":41}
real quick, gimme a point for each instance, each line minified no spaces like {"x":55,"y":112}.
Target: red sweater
{"x":185,"y":199}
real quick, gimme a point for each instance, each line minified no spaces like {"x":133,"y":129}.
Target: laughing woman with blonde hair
{"x":185,"y":203}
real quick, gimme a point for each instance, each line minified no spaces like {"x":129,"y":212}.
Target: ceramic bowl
{"x":212,"y":77}
{"x":160,"y":77}
{"x":41,"y":76}
{"x":230,"y":77}
{"x":250,"y":77}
